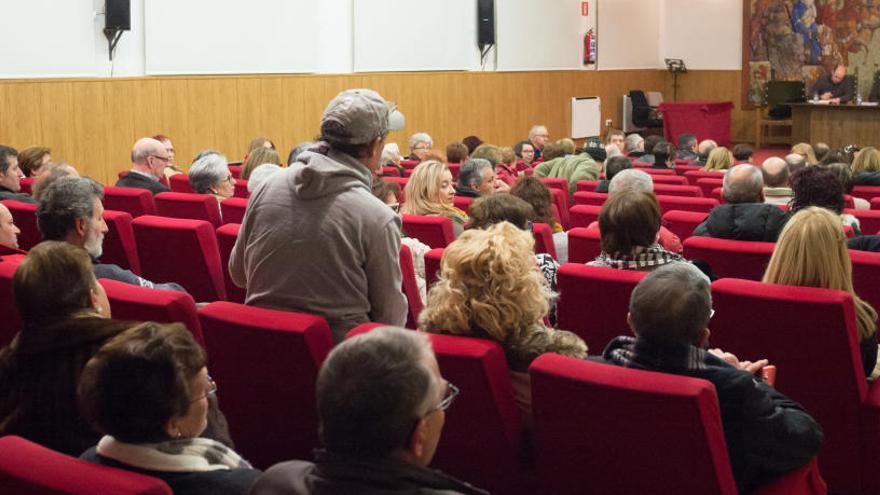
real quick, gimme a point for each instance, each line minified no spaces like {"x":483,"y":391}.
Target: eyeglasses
{"x":421,"y":148}
{"x":451,"y":393}
{"x":212,"y":389}
{"x":165,"y":159}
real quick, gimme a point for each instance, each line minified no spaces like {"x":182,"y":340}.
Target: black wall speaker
{"x":485,"y":22}
{"x":117,"y":15}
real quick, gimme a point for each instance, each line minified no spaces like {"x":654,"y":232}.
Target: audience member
{"x":257,"y":143}
{"x":506,"y":170}
{"x":649,"y":144}
{"x":704,"y":149}
{"x":389,"y":193}
{"x":745,"y":216}
{"x":456,"y":152}
{"x":429,"y":191}
{"x":489,"y":289}
{"x":664,"y":155}
{"x":420,"y":145}
{"x":340,"y":261}
{"x":538,"y":195}
{"x":33,"y":161}
{"x":472,"y":143}
{"x":257,"y":157}
{"x":10,"y":176}
{"x":596,"y":150}
{"x":570,"y":167}
{"x":806,"y":151}
{"x":8,"y":231}
{"x":210,"y":175}
{"x":611,"y":150}
{"x":834,"y":156}
{"x":260,"y":175}
{"x":475,"y":178}
{"x":635,"y":146}
{"x":170,"y":167}
{"x":742,"y":153}
{"x":617,"y":138}
{"x":821,"y":150}
{"x":629,"y":225}
{"x":844,"y":175}
{"x":613,"y":166}
{"x":298,"y":149}
{"x":865,"y":167}
{"x":538,"y":136}
{"x":147,"y":390}
{"x":687,"y":147}
{"x":777,"y":190}
{"x":767,"y":434}
{"x":391,"y":157}
{"x":525,"y":151}
{"x":632,"y":181}
{"x":381,"y":406}
{"x":488,"y":152}
{"x":720,"y":159}
{"x":812,"y":252}
{"x":148,"y":161}
{"x":71,"y":210}
{"x":818,"y":186}
{"x":795,"y":162}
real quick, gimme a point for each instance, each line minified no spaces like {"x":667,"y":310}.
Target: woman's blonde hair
{"x":257,"y":157}
{"x":812,"y":252}
{"x":806,"y":151}
{"x":867,"y":161}
{"x":488,"y":280}
{"x":422,"y":191}
{"x":719,"y":159}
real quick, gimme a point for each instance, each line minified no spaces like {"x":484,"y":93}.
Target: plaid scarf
{"x":631,"y":352}
{"x":182,"y":455}
{"x":641,"y":258}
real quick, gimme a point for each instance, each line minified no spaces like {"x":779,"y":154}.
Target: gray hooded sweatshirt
{"x":314,"y":239}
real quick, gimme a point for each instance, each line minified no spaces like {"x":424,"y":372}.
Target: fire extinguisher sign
{"x":585,"y":9}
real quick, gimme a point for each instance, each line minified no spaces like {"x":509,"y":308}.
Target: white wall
{"x":706,"y":34}
{"x":629,"y":33}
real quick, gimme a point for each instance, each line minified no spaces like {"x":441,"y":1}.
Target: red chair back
{"x":188,"y":205}
{"x":432,"y":266}
{"x":8,"y":313}
{"x":232,"y":209}
{"x":683,"y":169}
{"x":28,"y":468}
{"x":737,"y":259}
{"x":463,"y":203}
{"x":390,"y":171}
{"x":226,"y":237}
{"x":543,"y":234}
{"x":235,"y":170}
{"x":866,"y":276}
{"x":560,"y":199}
{"x":410,"y":288}
{"x":584,"y":215}
{"x":707,"y":184}
{"x":135,"y":201}
{"x":26,"y":184}
{"x":656,"y":171}
{"x":594,"y":302}
{"x":671,"y":179}
{"x":241,"y":190}
{"x":266,"y":363}
{"x":684,"y":203}
{"x":180,"y":183}
{"x":683,"y":223}
{"x":401,"y":181}
{"x":694,"y":175}
{"x":866,"y":192}
{"x":589,"y":198}
{"x":869,"y":220}
{"x":584,"y":244}
{"x":848,"y":201}
{"x":24,"y":215}
{"x":454,"y":169}
{"x":555,"y":183}
{"x":435,"y":231}
{"x":409,"y":164}
{"x":120,"y":247}
{"x":675,"y":190}
{"x":182,"y":251}
{"x":586,"y":185}
{"x":135,"y":303}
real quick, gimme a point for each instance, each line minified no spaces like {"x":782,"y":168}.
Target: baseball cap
{"x":358,"y":116}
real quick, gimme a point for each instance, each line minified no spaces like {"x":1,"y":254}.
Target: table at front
{"x":835,"y":125}
{"x":706,"y":119}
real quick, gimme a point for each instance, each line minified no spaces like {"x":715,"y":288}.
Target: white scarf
{"x":182,"y":455}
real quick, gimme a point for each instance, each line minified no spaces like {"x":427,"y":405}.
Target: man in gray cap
{"x":314,"y":238}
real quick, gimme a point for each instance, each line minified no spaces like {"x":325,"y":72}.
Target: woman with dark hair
{"x":536,"y":193}
{"x":33,"y":161}
{"x":472,"y":143}
{"x":525,"y":151}
{"x":844,"y":174}
{"x":818,"y":186}
{"x":147,"y":390}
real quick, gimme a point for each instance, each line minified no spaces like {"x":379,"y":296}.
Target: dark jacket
{"x":17,"y":196}
{"x":140,"y":181}
{"x":334,"y":475}
{"x":744,"y":222}
{"x":466,"y":192}
{"x":115,"y":272}
{"x":867,"y":179}
{"x":767,"y":433}
{"x":602,"y":187}
{"x":686,"y":155}
{"x":843,"y":89}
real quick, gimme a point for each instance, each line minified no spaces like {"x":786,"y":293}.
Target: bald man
{"x":836,"y":87}
{"x":777,"y":190}
{"x":148,"y":161}
{"x":8,"y":231}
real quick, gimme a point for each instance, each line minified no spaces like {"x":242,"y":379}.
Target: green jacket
{"x":570,"y":167}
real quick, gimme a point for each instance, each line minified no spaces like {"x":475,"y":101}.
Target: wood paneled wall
{"x":92,"y":123}
{"x":718,"y":85}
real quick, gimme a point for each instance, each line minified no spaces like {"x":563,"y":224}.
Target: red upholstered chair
{"x":869,"y":220}
{"x":410,"y":288}
{"x":866,"y":276}
{"x":543,"y":234}
{"x":390,"y":171}
{"x":241,"y":190}
{"x":188,"y":205}
{"x":235,"y":170}
{"x":432,"y":266}
{"x":232,"y":209}
{"x":28,"y":468}
{"x":656,"y":171}
{"x":674,"y":190}
{"x":707,"y":184}
{"x":875,"y":202}
{"x":866,"y":192}
{"x":848,"y":201}
{"x":463,"y":203}
{"x":594,"y":301}
{"x":583,"y":215}
{"x":435,"y":231}
{"x":823,"y":372}
{"x":120,"y":247}
{"x":454,"y":169}
{"x":584,"y":244}
{"x":266,"y":363}
{"x":409,"y":164}
{"x":182,"y":251}
{"x":11,"y":322}
{"x":683,"y":169}
{"x":718,"y":194}
{"x":679,"y":162}
{"x":560,"y":199}
{"x":180,"y":183}
{"x":484,"y":415}
{"x":737,"y":259}
{"x":671,"y":179}
{"x":589,"y":198}
{"x":135,"y":201}
{"x":684,"y":203}
{"x":586,"y":185}
{"x":136,"y":303}
{"x":694,"y":175}
{"x":630,"y":452}
{"x":401,"y":181}
{"x":27,"y":184}
{"x":683,"y":223}
{"x":24,"y":215}
{"x":555,"y":183}
{"x":226,"y":236}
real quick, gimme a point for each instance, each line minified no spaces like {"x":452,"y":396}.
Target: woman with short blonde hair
{"x":257,"y":157}
{"x":806,"y":151}
{"x":429,"y":191}
{"x":868,"y":160}
{"x":719,"y":159}
{"x":812,"y":252}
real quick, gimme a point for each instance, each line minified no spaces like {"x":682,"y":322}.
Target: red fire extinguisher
{"x":590,"y":48}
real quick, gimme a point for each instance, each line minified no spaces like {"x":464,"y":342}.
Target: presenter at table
{"x":836,"y":87}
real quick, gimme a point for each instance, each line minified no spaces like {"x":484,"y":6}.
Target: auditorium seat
{"x":586,"y":185}
{"x":435,"y":231}
{"x":555,"y":183}
{"x":866,"y":192}
{"x":265,"y":363}
{"x":410,"y":288}
{"x":869,"y":220}
{"x":232,"y":209}
{"x":390,"y":171}
{"x":707,"y":184}
{"x":28,"y":468}
{"x":584,"y":244}
{"x":463,"y":203}
{"x":188,"y":205}
{"x":226,"y":236}
{"x":589,"y":198}
{"x":27,"y":185}
{"x":671,"y":179}
{"x":8,"y":314}
{"x":24,"y":215}
{"x":136,"y":303}
{"x":560,"y":199}
{"x":135,"y":201}
{"x":241,"y":190}
{"x":694,"y":175}
{"x":409,"y":164}
{"x":675,"y":190}
{"x":583,"y":215}
{"x":594,"y":302}
{"x":737,"y":259}
{"x":433,"y":259}
{"x":655,"y":171}
{"x":683,"y":169}
{"x":401,"y":181}
{"x":235,"y":170}
{"x":684,"y":203}
{"x":866,"y":276}
{"x":717,"y":194}
{"x":543,"y":234}
{"x":454,"y":169}
{"x":182,"y":251}
{"x":629,"y":451}
{"x":483,"y":433}
{"x":810,"y":335}
{"x":848,"y":201}
{"x":180,"y":183}
{"x":120,"y":247}
{"x":682,"y":223}
{"x":680,"y":163}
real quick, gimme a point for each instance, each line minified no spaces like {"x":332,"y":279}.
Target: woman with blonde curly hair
{"x":719,"y":159}
{"x":812,"y":252}
{"x":490,"y":288}
{"x":429,"y":192}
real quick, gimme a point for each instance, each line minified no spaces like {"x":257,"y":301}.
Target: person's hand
{"x":748,"y":366}
{"x":825,"y":96}
{"x":501,"y":186}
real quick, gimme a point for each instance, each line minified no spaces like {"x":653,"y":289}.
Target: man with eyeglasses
{"x":381,"y":406}
{"x":538,"y":136}
{"x":148,"y":161}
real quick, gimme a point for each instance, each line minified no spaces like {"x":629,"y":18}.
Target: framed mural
{"x":803,"y":39}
